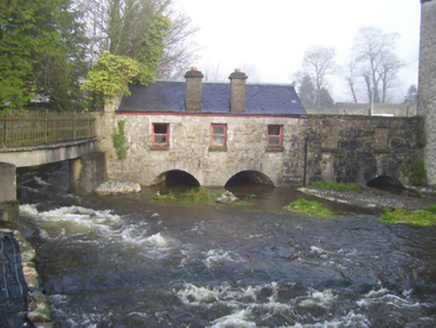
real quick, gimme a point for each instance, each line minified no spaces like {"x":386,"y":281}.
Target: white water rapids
{"x":128,"y":262}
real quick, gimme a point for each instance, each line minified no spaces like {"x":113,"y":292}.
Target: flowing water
{"x":127,"y":261}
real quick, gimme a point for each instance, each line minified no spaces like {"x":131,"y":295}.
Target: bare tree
{"x":351,"y":76}
{"x":180,"y":50}
{"x":319,"y":62}
{"x":379,"y":65}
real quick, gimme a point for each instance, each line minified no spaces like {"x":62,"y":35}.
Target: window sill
{"x":274,"y":149}
{"x":160,"y":148}
{"x":217,"y":148}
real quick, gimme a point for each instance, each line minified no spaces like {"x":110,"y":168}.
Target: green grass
{"x":311,"y":208}
{"x":196,"y":196}
{"x":192,"y":196}
{"x":337,"y":186}
{"x":417,"y":218}
{"x":169,"y":196}
{"x":432,"y":208}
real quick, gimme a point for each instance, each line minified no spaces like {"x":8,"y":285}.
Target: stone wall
{"x":336,"y":148}
{"x":190,"y":151}
{"x":349,"y":149}
{"x":427,"y":85}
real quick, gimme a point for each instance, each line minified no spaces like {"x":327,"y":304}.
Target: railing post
{"x":4,"y":131}
{"x":46,"y":126}
{"x":74,"y":125}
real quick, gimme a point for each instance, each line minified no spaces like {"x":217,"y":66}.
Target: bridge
{"x":31,"y":138}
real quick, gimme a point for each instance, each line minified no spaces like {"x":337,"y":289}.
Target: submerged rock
{"x":117,"y":187}
{"x":227,"y":198}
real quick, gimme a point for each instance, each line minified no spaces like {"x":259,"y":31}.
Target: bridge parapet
{"x":25,"y":128}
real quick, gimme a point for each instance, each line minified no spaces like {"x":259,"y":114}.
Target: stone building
{"x":208,"y":130}
{"x":427,"y":84}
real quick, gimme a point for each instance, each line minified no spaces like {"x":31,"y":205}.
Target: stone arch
{"x":249,"y":177}
{"x":176,"y":177}
{"x":386,"y":182}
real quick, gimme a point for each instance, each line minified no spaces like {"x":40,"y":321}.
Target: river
{"x":129,"y":261}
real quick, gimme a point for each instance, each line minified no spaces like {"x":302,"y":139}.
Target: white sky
{"x":269,"y":37}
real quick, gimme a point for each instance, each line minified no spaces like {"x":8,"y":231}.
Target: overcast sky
{"x":269,"y":37}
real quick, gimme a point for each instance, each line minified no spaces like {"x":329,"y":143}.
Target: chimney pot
{"x":238,"y":70}
{"x":193,"y":68}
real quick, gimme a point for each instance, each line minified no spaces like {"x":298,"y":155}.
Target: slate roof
{"x":169,"y":96}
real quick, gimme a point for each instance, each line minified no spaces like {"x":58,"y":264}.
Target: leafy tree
{"x":110,"y":77}
{"x":319,"y":62}
{"x":135,"y":36}
{"x":123,"y":27}
{"x":39,"y":50}
{"x":307,"y":91}
{"x":379,"y":65}
{"x":412,"y":95}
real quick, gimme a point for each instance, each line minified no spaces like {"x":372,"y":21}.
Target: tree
{"x":412,"y":95}
{"x":326,"y":99}
{"x":110,"y":77}
{"x":351,"y":76}
{"x":379,"y":65}
{"x":123,"y":28}
{"x":319,"y":62}
{"x":307,"y":91}
{"x":39,"y":52}
{"x":179,"y":52}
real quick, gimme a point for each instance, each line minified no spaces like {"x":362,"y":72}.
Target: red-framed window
{"x":161,"y":134}
{"x":218,"y":135}
{"x":275,"y":136}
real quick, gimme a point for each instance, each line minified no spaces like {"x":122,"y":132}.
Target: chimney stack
{"x":237,"y":93}
{"x":193,"y":101}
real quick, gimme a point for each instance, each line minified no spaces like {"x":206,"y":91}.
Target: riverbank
{"x":38,"y":308}
{"x":413,"y":199}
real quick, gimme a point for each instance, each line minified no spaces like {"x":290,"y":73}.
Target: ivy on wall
{"x":119,"y":142}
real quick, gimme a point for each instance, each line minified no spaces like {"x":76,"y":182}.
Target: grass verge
{"x":417,"y":218}
{"x":311,"y":208}
{"x":337,"y":186}
{"x":194,"y":196}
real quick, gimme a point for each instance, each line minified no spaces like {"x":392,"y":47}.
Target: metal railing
{"x":27,"y":128}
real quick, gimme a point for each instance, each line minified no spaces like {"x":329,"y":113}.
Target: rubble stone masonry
{"x":427,"y":85}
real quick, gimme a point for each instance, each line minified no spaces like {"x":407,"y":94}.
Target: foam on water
{"x":28,"y":209}
{"x":219,"y":256}
{"x":386,"y":297}
{"x":323,"y":299}
{"x":85,"y":225}
{"x":238,"y":319}
{"x":157,"y":241}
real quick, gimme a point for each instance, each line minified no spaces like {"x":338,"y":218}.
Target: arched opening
{"x":176,"y":178}
{"x":387,"y":183}
{"x":249,"y":178}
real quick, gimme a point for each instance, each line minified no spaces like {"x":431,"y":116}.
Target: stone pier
{"x":87,"y":173}
{"x":8,"y":193}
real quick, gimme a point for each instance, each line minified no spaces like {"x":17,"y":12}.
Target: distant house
{"x":376,"y":110}
{"x":211,"y":130}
